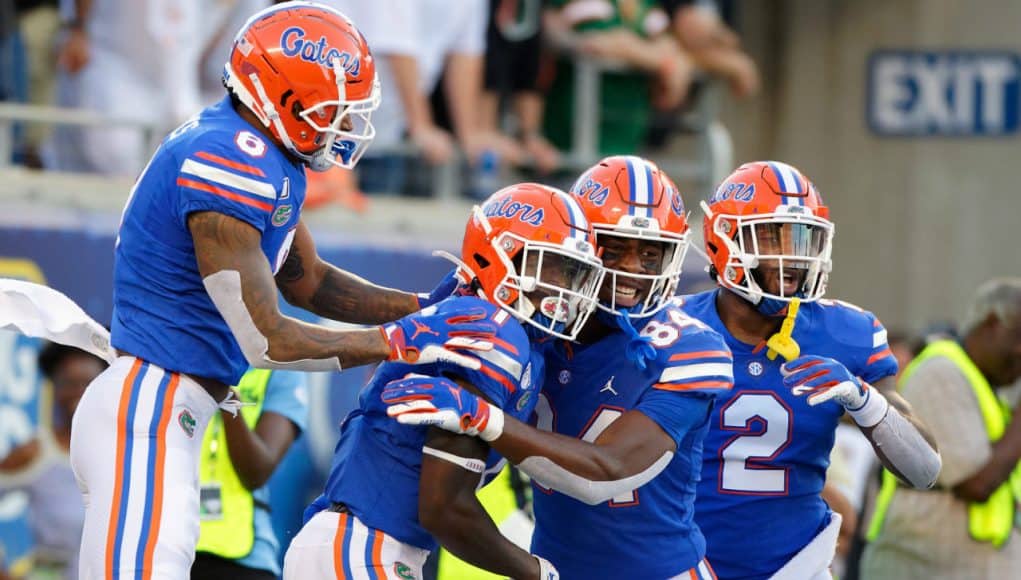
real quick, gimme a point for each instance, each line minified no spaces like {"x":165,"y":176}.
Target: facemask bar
{"x":662,"y":286}
{"x":340,"y":147}
{"x":567,"y":281}
{"x":746,"y":254}
{"x":577,"y":302}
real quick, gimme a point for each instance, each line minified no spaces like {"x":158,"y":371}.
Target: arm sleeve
{"x":218,"y":176}
{"x":287,"y":395}
{"x":941,"y":397}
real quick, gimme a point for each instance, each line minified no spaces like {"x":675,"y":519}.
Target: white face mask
{"x":781,"y":255}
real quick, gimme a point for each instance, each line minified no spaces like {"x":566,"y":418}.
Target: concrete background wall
{"x":920,"y":221}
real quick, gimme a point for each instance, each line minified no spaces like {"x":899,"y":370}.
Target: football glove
{"x":426,"y":337}
{"x":824,"y":379}
{"x":440,"y":402}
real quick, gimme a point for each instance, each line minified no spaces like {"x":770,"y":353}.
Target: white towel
{"x":813,"y":561}
{"x":42,"y":312}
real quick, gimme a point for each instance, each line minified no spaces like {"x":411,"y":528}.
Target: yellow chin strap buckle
{"x":782,"y":343}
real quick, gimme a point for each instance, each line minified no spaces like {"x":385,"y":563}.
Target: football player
{"x":395,"y":491}
{"x":628,"y":407}
{"x":768,"y":236}
{"x":210,"y":233}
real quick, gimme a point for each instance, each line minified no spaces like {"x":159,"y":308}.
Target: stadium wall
{"x":921,"y":221}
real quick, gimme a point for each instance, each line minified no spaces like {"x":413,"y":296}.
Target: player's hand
{"x":823,"y":379}
{"x":440,"y":402}
{"x":426,"y":337}
{"x":442,"y":290}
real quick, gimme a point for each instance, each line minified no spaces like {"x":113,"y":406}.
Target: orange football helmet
{"x":630,"y":197}
{"x":767,"y":215}
{"x":306,"y":72}
{"x":530,"y":245}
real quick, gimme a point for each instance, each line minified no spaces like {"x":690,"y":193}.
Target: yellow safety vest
{"x":230,"y":533}
{"x":989,"y":521}
{"x":501,"y":501}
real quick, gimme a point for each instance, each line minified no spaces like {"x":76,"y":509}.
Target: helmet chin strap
{"x":772,"y":306}
{"x":538,"y":334}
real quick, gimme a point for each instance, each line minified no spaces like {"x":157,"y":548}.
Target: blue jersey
{"x":767,"y":451}
{"x":215,"y":162}
{"x":378,"y":461}
{"x":648,"y":533}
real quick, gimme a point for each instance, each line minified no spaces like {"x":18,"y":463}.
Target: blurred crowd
{"x":485,"y":85}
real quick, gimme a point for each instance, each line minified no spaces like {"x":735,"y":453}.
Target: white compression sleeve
{"x":224,"y":288}
{"x":907,"y":450}
{"x":549,"y":474}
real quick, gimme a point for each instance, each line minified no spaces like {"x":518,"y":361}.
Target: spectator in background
{"x":12,"y":62}
{"x":39,"y":25}
{"x":134,"y":60}
{"x":514,"y":47}
{"x":965,"y":526}
{"x":904,"y":348}
{"x":42,"y":467}
{"x":713,"y":46}
{"x":239,"y":454}
{"x":415,"y":42}
{"x":221,"y":19}
{"x":630,"y":33}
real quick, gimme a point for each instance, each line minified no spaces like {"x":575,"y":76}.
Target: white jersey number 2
{"x":745,"y":457}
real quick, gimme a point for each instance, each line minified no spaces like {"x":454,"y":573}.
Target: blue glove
{"x":426,"y":337}
{"x":442,"y":290}
{"x":823,"y":379}
{"x":422,"y":400}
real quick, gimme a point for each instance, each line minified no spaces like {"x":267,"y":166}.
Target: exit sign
{"x":949,"y":93}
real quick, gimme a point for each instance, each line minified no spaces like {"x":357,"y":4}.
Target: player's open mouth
{"x":791,"y":282}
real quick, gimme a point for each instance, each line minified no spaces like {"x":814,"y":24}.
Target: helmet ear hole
{"x":481,"y":261}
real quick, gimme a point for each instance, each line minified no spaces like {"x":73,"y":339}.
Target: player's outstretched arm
{"x":450,"y":510}
{"x":901,"y":442}
{"x":239,"y":281}
{"x":309,"y":282}
{"x":628,"y":454}
{"x":913,"y":440}
{"x":237,"y":277}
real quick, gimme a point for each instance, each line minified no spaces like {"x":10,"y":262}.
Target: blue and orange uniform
{"x":651,"y":532}
{"x":369,"y":509}
{"x":766,"y":454}
{"x":138,"y":429}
